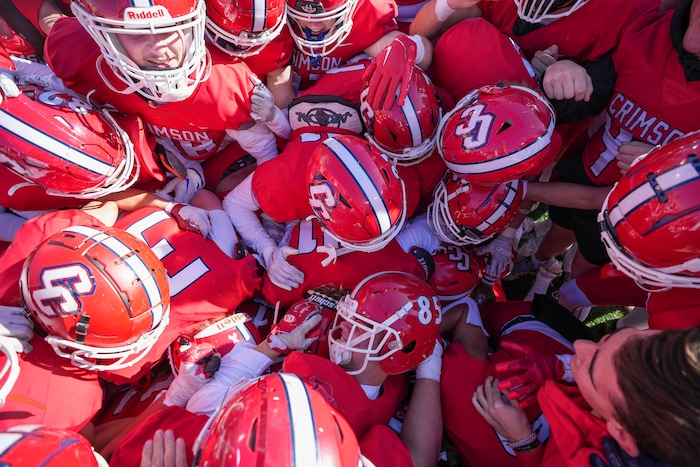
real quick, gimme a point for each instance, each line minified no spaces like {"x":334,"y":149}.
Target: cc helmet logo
{"x":58,"y":99}
{"x":61,"y":288}
{"x":477,"y":127}
{"x":321,"y":199}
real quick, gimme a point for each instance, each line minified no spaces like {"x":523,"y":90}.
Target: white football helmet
{"x":546,"y":11}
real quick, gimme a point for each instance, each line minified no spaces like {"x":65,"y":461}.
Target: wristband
{"x":525,"y":444}
{"x":443,"y":10}
{"x":420,"y":47}
{"x":170,"y":206}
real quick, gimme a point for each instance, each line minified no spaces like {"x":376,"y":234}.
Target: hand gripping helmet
{"x":33,"y":445}
{"x":392,"y":318}
{"x":108,"y":20}
{"x":464,"y":213}
{"x":100,"y":294}
{"x":546,"y":11}
{"x":499,"y":133}
{"x":457,"y":272}
{"x":224,"y":334}
{"x":277,"y":420}
{"x":59,"y":142}
{"x":356,"y":193}
{"x":650,"y":220}
{"x":319,"y":26}
{"x":243,"y":28}
{"x":407,"y":133}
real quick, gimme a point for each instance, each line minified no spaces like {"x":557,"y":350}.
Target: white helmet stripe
{"x":666,"y":181}
{"x":503,"y":207}
{"x":410,"y":115}
{"x":140,"y":269}
{"x":372,"y":194}
{"x":38,"y":138}
{"x":259,"y":15}
{"x":303,"y":430}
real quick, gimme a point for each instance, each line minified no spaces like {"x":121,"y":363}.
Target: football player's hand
{"x":190,"y":217}
{"x":629,"y":152}
{"x":521,"y":377}
{"x":183,"y":189}
{"x":615,"y":456}
{"x":164,"y":451}
{"x":504,"y":416}
{"x":431,"y":367}
{"x":391,"y":68}
{"x":262,"y":102}
{"x":16,"y":328}
{"x":567,"y":80}
{"x":500,"y":251}
{"x":198,"y":364}
{"x":295,"y":330}
{"x":279,"y":271}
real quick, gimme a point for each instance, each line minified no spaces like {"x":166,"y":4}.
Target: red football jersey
{"x":349,"y":268}
{"x":276,"y":54}
{"x":652,"y":102}
{"x":344,"y":392}
{"x":16,"y":44}
{"x":196,"y":126}
{"x":371,"y":20}
{"x":204,"y":282}
{"x":674,"y":309}
{"x":584,"y":36}
{"x":471,"y":435}
{"x":50,"y":391}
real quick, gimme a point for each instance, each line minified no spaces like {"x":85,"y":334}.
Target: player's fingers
{"x":589,"y":88}
{"x":147,"y":454}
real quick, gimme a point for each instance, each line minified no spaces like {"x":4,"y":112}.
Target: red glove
{"x":298,"y":328}
{"x":522,"y":377}
{"x":391,"y":67}
{"x":199,"y":362}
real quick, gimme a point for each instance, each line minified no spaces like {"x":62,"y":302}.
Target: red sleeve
{"x":276,"y":54}
{"x":186,"y":425}
{"x":384,"y":448}
{"x":50,"y":391}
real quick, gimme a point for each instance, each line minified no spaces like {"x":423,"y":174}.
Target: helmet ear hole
{"x":507,"y":124}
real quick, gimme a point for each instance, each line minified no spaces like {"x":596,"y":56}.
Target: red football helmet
{"x":318,"y":27}
{"x":457,"y":272}
{"x":356,"y":193}
{"x":63,"y":144}
{"x":650,"y":220}
{"x":10,"y":370}
{"x":100,"y":294}
{"x":108,"y":20}
{"x":32,"y":445}
{"x":499,"y":133}
{"x":277,"y":420}
{"x":243,"y":28}
{"x":545,"y":11}
{"x":223,"y":334}
{"x":408,"y":132}
{"x":392,"y":318}
{"x":464,"y":213}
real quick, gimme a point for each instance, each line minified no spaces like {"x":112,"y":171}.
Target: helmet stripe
{"x":47,"y":143}
{"x":411,"y":117}
{"x":667,"y":181}
{"x":133,"y":261}
{"x":303,"y":430}
{"x":355,"y":169}
{"x":259,"y":15}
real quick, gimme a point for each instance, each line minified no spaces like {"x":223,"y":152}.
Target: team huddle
{"x":260,"y":232}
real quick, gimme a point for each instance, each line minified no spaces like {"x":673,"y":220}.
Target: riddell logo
{"x":135,"y":14}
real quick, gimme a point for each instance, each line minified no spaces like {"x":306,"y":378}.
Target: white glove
{"x":292,"y":336}
{"x":183,"y":189}
{"x":280,"y":272}
{"x":262,"y":102}
{"x":17,"y":328}
{"x":192,"y":373}
{"x":190,"y":217}
{"x":431,"y":367}
{"x":500,"y":250}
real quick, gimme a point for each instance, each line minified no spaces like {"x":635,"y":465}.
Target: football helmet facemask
{"x":319,"y":27}
{"x":546,"y":11}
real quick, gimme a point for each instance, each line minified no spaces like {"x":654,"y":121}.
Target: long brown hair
{"x":659,"y":377}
